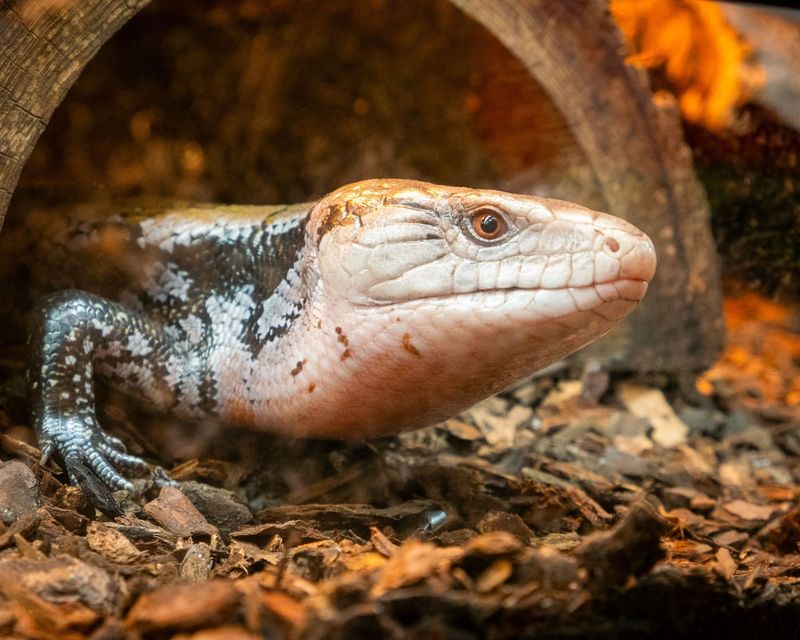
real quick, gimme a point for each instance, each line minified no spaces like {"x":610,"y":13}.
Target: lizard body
{"x":387,"y":305}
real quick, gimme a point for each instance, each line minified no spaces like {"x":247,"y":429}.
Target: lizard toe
{"x":98,"y":463}
{"x":122,"y":460}
{"x":95,"y":489}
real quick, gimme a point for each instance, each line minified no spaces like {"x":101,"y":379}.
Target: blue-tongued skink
{"x":386,"y":305}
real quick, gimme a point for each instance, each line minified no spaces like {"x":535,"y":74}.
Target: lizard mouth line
{"x":619,"y":282}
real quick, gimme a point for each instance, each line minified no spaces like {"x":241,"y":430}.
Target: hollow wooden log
{"x":635,"y":146}
{"x":572,"y":48}
{"x":44,"y":45}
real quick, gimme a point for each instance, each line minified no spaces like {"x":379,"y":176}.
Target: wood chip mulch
{"x":578,"y":506}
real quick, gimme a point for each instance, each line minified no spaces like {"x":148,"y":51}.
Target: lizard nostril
{"x":612,"y":244}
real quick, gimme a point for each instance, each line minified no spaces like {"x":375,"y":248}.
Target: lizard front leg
{"x":74,"y":336}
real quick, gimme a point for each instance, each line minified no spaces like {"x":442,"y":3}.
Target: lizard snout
{"x":635,"y":252}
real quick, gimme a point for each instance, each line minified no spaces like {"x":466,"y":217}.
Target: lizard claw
{"x":94,"y":488}
{"x":47,"y":451}
{"x":93,"y":459}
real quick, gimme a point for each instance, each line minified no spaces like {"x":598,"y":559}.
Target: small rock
{"x":626,"y":424}
{"x":625,"y":463}
{"x":753,"y":436}
{"x":594,"y":382}
{"x":703,"y":421}
{"x":19,"y":491}
{"x":735,"y":423}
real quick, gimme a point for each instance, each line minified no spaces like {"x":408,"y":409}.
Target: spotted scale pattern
{"x":189,"y":287}
{"x":382,"y":307}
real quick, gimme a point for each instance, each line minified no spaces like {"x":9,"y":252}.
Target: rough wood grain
{"x":572,"y":48}
{"x":635,"y":147}
{"x":44,"y":45}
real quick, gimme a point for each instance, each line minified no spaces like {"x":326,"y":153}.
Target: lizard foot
{"x":93,"y":459}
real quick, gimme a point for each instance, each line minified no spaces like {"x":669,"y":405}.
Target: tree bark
{"x":44,"y":45}
{"x":571,"y":47}
{"x":635,"y":146}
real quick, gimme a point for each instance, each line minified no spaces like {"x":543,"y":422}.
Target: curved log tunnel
{"x":624,"y":147}
{"x":566,"y":503}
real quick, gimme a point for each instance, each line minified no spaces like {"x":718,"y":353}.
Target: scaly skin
{"x":379,"y":308}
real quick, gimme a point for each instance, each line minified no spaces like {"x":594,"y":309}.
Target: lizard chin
{"x":419,"y":362}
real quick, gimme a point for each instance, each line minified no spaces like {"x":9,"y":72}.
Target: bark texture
{"x":635,"y":147}
{"x":633,"y":143}
{"x":44,"y":45}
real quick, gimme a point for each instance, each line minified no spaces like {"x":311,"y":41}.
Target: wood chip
{"x":731,"y":538}
{"x":381,"y":543}
{"x":59,"y":593}
{"x":494,"y":576}
{"x":229,"y":632}
{"x":196,"y":563}
{"x":499,"y":427}
{"x":668,"y":429}
{"x":725,"y":565}
{"x":110,"y":543}
{"x":462,"y":430}
{"x":288,"y":609}
{"x":749,"y":511}
{"x":413,"y":562}
{"x":566,"y":391}
{"x":184,"y":606}
{"x":493,"y":544}
{"x":173,"y":511}
{"x":19,"y":491}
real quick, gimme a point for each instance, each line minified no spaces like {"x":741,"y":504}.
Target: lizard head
{"x":471,"y":289}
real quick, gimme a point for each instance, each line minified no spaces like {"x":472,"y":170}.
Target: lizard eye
{"x":488,"y":224}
